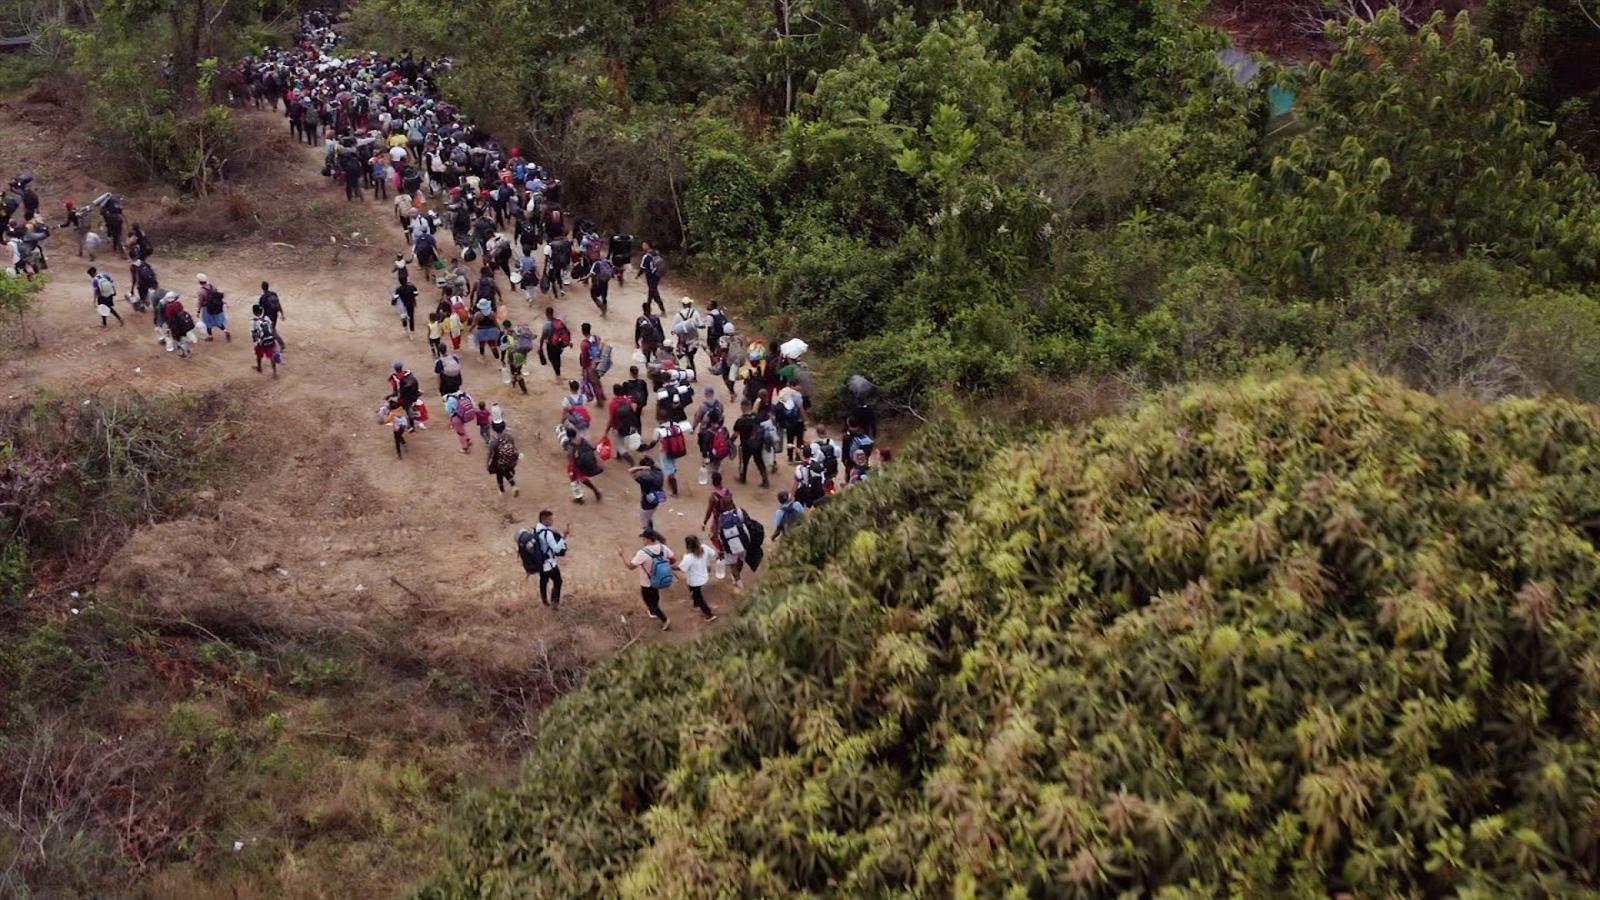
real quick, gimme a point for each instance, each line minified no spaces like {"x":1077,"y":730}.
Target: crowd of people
{"x":385,"y":130}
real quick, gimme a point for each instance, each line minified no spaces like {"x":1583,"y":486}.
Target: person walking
{"x":696,"y":569}
{"x":103,"y":292}
{"x":541,"y":549}
{"x":272,"y":307}
{"x":624,"y":420}
{"x":590,"y":351}
{"x":752,"y":442}
{"x":653,"y":268}
{"x":554,"y":339}
{"x":790,"y":513}
{"x":653,"y":562}
{"x":650,"y":480}
{"x":733,"y":539}
{"x":404,"y":299}
{"x":583,"y":464}
{"x":462,"y":411}
{"x":263,"y":338}
{"x":720,"y":501}
{"x":503,"y":458}
{"x":448,"y":368}
{"x":212,"y":314}
{"x":648,"y":334}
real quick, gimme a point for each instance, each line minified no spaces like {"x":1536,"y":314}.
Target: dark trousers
{"x":352,"y":187}
{"x":652,"y":602}
{"x":653,"y":293}
{"x":699,"y":599}
{"x":747,"y":456}
{"x":547,"y":580}
{"x":554,"y":355}
{"x":501,"y":479}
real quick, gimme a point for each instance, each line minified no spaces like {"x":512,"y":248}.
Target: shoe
{"x":227,"y":336}
{"x":665,"y":625}
{"x":516,"y":491}
{"x":711,"y":618}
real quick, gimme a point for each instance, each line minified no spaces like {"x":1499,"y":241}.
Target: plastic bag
{"x":577,"y":490}
{"x":505,"y":374}
{"x":103,"y":310}
{"x":604,"y":449}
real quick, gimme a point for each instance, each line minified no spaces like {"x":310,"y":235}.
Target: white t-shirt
{"x":694,"y":567}
{"x":398,"y":154}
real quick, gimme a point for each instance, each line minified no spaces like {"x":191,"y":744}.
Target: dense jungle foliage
{"x":1280,"y":638}
{"x":965,"y":194}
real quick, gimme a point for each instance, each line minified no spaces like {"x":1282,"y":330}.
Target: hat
{"x":686,"y":302}
{"x":202,"y":279}
{"x":398,"y":365}
{"x":484,"y":305}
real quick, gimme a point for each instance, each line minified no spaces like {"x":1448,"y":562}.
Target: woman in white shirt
{"x":695,"y":568}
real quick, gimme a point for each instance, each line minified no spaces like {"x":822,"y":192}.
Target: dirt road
{"x":322,"y":527}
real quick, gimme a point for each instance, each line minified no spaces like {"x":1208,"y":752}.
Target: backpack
{"x":185,"y":322}
{"x":104,"y":286}
{"x":811,"y":481}
{"x":560,"y":337}
{"x":261,"y":333}
{"x":627,"y":418}
{"x":735,"y":537}
{"x":577,"y":416}
{"x":674,"y":443}
{"x":588,"y":462}
{"x":524,"y":342}
{"x":270,"y":303}
{"x":660,"y":570}
{"x":409,"y":387}
{"x":505,"y":453}
{"x":719,"y":323}
{"x":830,"y":459}
{"x":531,"y":551}
{"x":719,"y":443}
{"x":713,"y":411}
{"x":603,"y":364}
{"x":770,"y":436}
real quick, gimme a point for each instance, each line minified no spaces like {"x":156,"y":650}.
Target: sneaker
{"x":665,"y":625}
{"x":711,"y":617}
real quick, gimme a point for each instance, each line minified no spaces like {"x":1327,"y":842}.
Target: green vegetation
{"x":1282,"y":638}
{"x":1054,"y":188}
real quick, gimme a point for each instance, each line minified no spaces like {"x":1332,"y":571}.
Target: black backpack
{"x":409,"y":388}
{"x":588,"y":461}
{"x":531,"y":550}
{"x":270,"y":303}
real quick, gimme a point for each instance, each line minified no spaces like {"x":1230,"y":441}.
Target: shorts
{"x":631,"y":443}
{"x":265,"y":352}
{"x":669,"y":466}
{"x":732,"y":559}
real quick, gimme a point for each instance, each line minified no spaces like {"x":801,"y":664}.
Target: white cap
{"x":202,"y":279}
{"x":686,"y":302}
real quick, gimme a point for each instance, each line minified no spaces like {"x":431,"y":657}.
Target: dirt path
{"x":328,"y":529}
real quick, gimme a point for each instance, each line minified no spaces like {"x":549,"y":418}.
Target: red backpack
{"x":674,"y":443}
{"x":559,"y":335}
{"x":719,"y":443}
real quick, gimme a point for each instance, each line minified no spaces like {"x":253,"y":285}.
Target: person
{"x":686,"y":332}
{"x":139,"y":245}
{"x":272,"y":307}
{"x":404,"y":386}
{"x":790,"y":513}
{"x":860,"y":467}
{"x":590,"y":352}
{"x":211,"y":309}
{"x":600,"y":275}
{"x":720,"y":501}
{"x":583,"y":463}
{"x":380,"y":174}
{"x":541,"y":550}
{"x":103,"y":294}
{"x":503,"y":458}
{"x":653,"y":268}
{"x":448,"y":368}
{"x":624,"y":420}
{"x":647,"y":334}
{"x":515,"y":345}
{"x":650,"y":480}
{"x":111,"y":217}
{"x":711,"y":434}
{"x":824,"y":449}
{"x":264,"y":338}
{"x":394,"y":415}
{"x":654,"y":562}
{"x":147,"y":287}
{"x":436,"y":334}
{"x":180,"y":327}
{"x":674,"y":445}
{"x":637,"y":388}
{"x":462,"y":410}
{"x":554,"y":338}
{"x":733,"y":539}
{"x":810,"y":481}
{"x":752,"y":440}
{"x":486,"y":329}
{"x":404,"y":298}
{"x":696,"y":570}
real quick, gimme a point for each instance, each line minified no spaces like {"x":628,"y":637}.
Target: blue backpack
{"x":660,"y":570}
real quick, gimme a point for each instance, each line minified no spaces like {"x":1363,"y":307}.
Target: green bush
{"x":725,"y":208}
{"x":1284,"y":638}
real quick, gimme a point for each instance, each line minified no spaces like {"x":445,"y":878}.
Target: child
{"x":435,"y":335}
{"x":694,"y":567}
{"x":452,"y":325}
{"x":395,"y":417}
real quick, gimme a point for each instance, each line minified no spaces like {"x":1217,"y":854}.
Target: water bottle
{"x":721,"y":569}
{"x":705,"y":476}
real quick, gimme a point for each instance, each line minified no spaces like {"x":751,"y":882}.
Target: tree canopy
{"x":1272,"y":638}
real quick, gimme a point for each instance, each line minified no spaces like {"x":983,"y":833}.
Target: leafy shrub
{"x":1272,"y":639}
{"x":725,"y":206}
